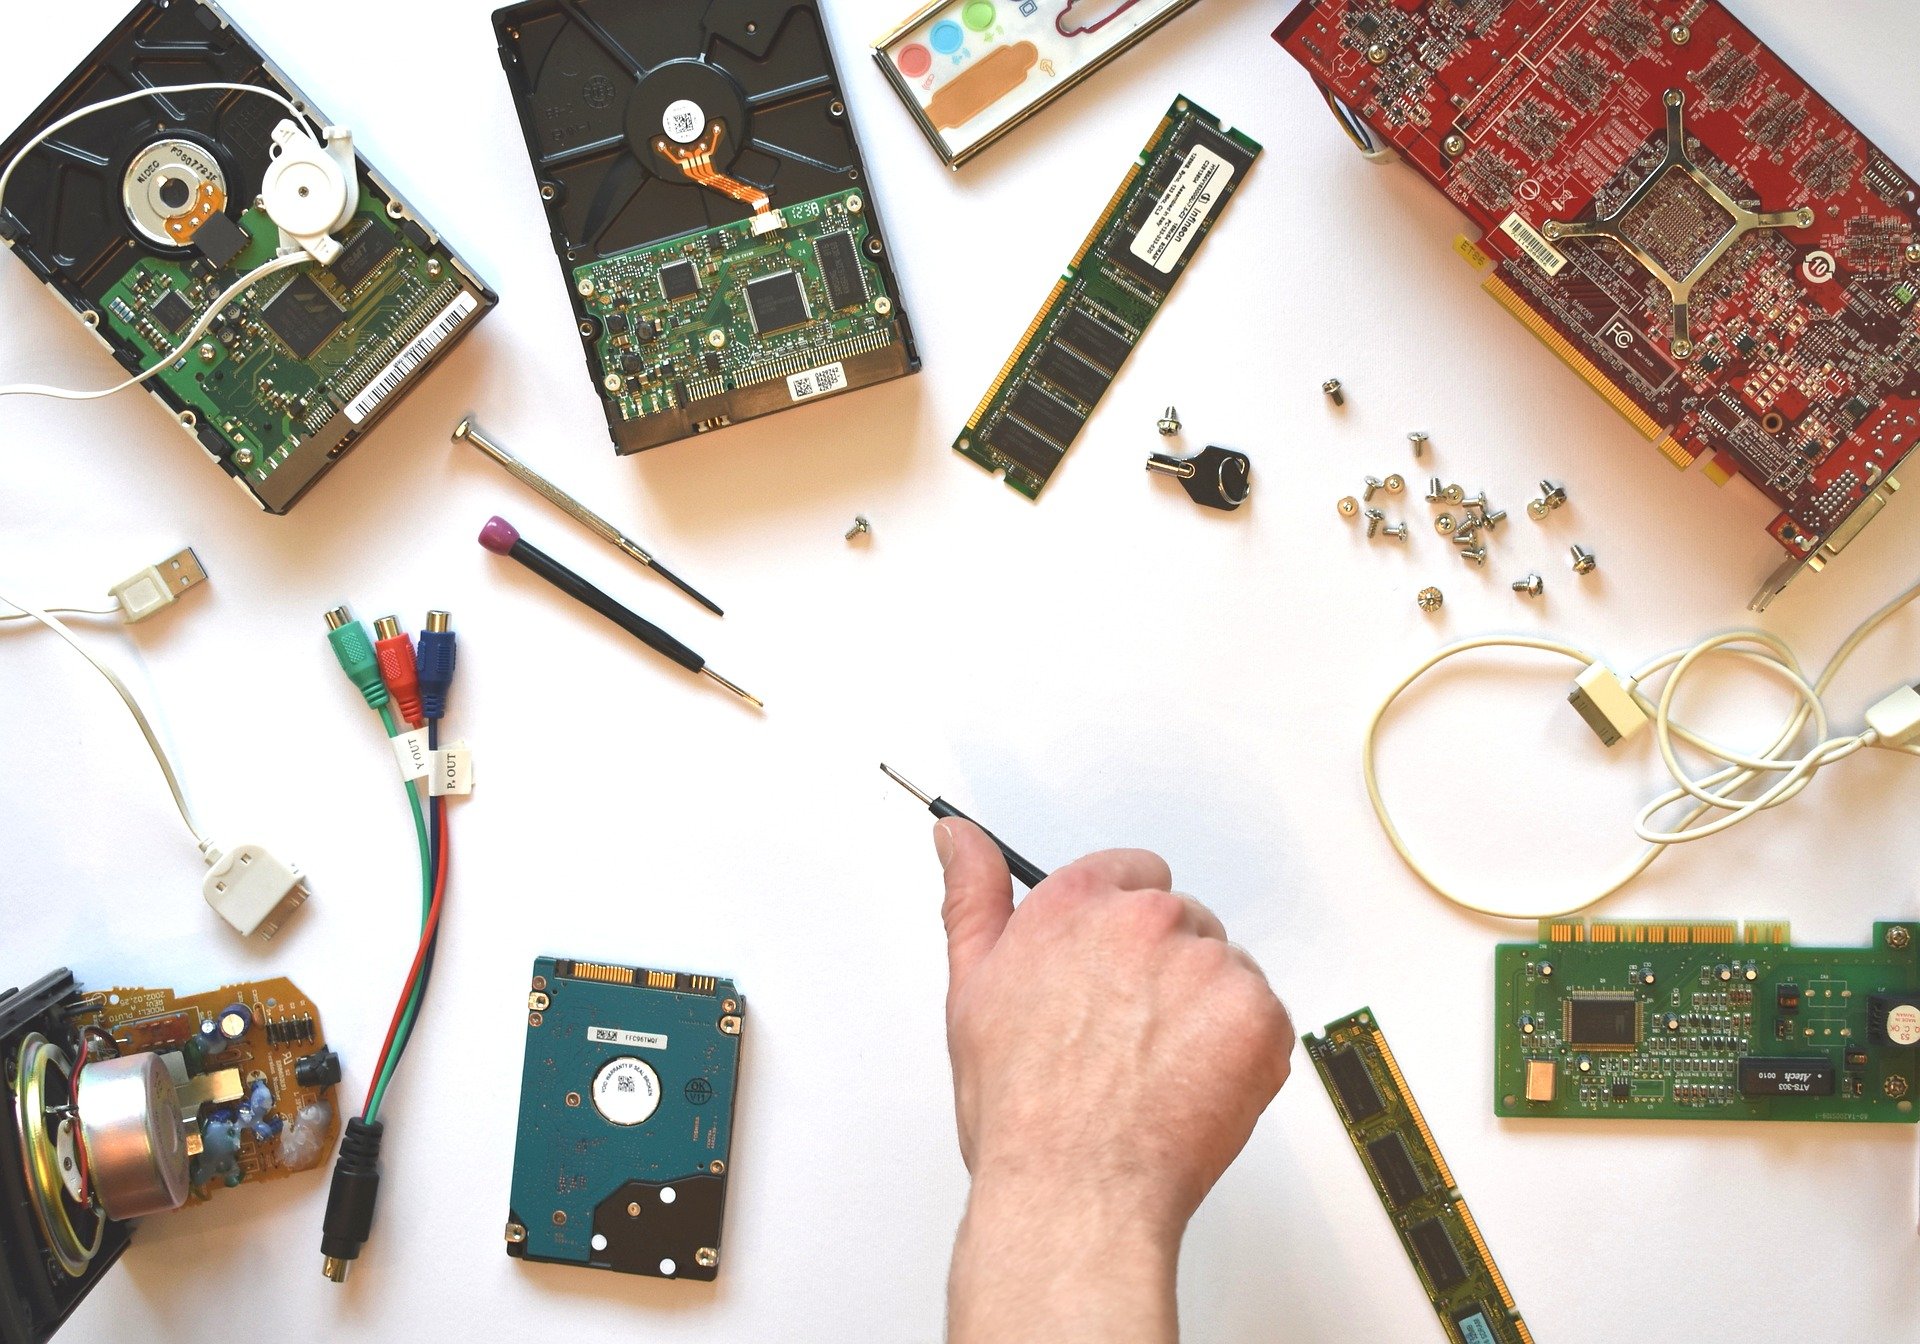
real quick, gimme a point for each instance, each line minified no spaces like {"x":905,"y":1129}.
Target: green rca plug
{"x":357,"y":658}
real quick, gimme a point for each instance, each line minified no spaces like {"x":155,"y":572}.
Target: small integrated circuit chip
{"x":304,"y":316}
{"x":1436,"y":1254}
{"x":1358,"y":1096}
{"x":679,"y":280}
{"x":776,"y":302}
{"x":220,"y":240}
{"x":1393,"y":1164}
{"x":1762,"y":1077}
{"x":1046,"y":413}
{"x":173,"y":312}
{"x":363,"y":255}
{"x":840,"y":269}
{"x":1094,"y":339}
{"x":1072,"y":374}
{"x":1602,"y":1022}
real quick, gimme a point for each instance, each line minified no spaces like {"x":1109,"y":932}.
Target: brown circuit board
{"x":1675,"y":213}
{"x":285,"y":1027}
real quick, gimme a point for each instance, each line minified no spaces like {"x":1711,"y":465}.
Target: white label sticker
{"x":417,"y":352}
{"x":639,"y":1040}
{"x":1903,"y":1024}
{"x":1534,"y":243}
{"x":816,"y":382}
{"x":683,"y":121}
{"x":410,"y":749}
{"x":1179,"y":213}
{"x":626,"y":1091}
{"x":452,"y":773}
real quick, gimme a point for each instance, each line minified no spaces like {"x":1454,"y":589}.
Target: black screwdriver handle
{"x":1028,"y":874}
{"x":579,"y":589}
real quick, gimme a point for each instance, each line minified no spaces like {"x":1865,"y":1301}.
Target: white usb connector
{"x":252,"y":890}
{"x":158,"y":586}
{"x":1896,"y":719}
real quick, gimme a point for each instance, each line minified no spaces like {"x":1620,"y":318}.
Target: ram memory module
{"x":1706,"y":1021}
{"x":1414,"y":1184}
{"x":1112,"y":288}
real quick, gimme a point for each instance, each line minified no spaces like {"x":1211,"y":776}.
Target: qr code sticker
{"x":816,"y":382}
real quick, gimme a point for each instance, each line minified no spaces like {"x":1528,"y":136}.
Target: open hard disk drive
{"x":711,"y":213}
{"x":150,"y":207}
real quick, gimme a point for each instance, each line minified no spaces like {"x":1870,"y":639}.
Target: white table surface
{"x":1113,"y":666}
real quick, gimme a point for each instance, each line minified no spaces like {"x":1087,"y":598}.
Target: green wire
{"x":426,"y":907}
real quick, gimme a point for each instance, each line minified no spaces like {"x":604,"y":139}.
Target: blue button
{"x":946,"y":37}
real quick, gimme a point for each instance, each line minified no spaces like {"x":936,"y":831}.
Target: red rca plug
{"x":395,"y":653}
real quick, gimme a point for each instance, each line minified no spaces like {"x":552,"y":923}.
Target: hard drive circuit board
{"x":1659,"y":198}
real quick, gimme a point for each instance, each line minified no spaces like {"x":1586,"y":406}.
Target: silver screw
{"x":1419,"y":441}
{"x":1374,"y":487}
{"x":1349,"y":507}
{"x":1430,"y":599}
{"x":1377,"y":54}
{"x":1531,"y":586}
{"x":1170,"y":422}
{"x":1455,"y":145}
{"x":1466,"y":534}
{"x":1374,"y":519}
{"x":1398,"y":532}
{"x":1435,"y":491}
{"x":1554,"y":496}
{"x":1583,"y":561}
{"x":243,"y":457}
{"x":1537,"y":509}
{"x":1396,"y":483}
{"x":1332,"y":388}
{"x":1478,"y":555}
{"x":1492,"y":518}
{"x":1445,"y":524}
{"x":1681,"y":34}
{"x":1454,"y":494}
{"x":860,"y":525}
{"x":1478,"y":502}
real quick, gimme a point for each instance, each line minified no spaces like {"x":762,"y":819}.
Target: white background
{"x":1113,"y":666}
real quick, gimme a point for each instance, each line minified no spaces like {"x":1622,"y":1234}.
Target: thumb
{"x":979,"y":899}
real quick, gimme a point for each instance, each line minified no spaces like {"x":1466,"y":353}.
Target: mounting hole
{"x":547,"y":191}
{"x":752,"y":27}
{"x":1773,"y":422}
{"x":395,"y":210}
{"x":189,"y":419}
{"x":599,"y":1241}
{"x":90,"y":318}
{"x":113,"y":1000}
{"x":836,"y":108}
{"x":875,"y":247}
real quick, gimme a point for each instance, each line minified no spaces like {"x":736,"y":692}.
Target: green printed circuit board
{"x":293,"y":369}
{"x":721,"y":325}
{"x":626,"y":1119}
{"x":1707,"y":1021}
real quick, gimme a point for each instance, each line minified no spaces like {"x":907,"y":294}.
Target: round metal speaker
{"x":136,"y":1145}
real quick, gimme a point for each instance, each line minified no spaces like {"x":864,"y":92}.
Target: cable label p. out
{"x":452,"y":771}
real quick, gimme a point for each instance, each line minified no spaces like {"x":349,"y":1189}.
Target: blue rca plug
{"x":436,"y":664}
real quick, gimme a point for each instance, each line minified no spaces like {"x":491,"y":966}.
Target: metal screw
{"x":1396,"y":483}
{"x":1913,"y":252}
{"x":1435,"y":492}
{"x":243,"y":457}
{"x":1555,"y":496}
{"x":1531,"y":586}
{"x":1374,"y":519}
{"x":1373,"y":488}
{"x":1332,"y":388}
{"x":1479,"y":502}
{"x":1899,"y":937}
{"x":1492,"y":518}
{"x":1681,"y":34}
{"x":1349,"y":507}
{"x":1377,"y":54}
{"x":1445,"y":524}
{"x":1583,"y":561}
{"x":1466,"y":534}
{"x":1454,"y":494}
{"x":1398,"y":531}
{"x":1455,"y":145}
{"x":1537,"y":509}
{"x":1419,"y":441}
{"x":860,"y":525}
{"x":706,"y":1257}
{"x":1170,"y":422}
{"x":1430,"y":599}
{"x":1477,"y":554}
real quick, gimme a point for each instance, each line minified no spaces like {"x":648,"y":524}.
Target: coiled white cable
{"x":1724,"y":790}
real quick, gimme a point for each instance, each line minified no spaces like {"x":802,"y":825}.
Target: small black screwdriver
{"x":502,"y":538}
{"x":1029,"y":874}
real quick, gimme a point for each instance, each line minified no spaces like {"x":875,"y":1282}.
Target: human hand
{"x":1111,"y":1054}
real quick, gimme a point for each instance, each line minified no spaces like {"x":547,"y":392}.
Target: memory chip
{"x":304,"y":316}
{"x":1097,"y":341}
{"x":776,"y":302}
{"x":173,"y":312}
{"x":362,"y":256}
{"x":1046,"y":413}
{"x":1761,"y":1077}
{"x":679,"y":280}
{"x":1072,"y":374}
{"x":1393,"y":1164}
{"x":1015,"y":442}
{"x":1435,"y":1251}
{"x":1358,"y":1095}
{"x":1602,"y":1022}
{"x":840,"y":270}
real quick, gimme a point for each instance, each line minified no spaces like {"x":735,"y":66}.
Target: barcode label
{"x":1539,"y":251}
{"x":639,"y":1040}
{"x":816,"y":382}
{"x":418,"y":351}
{"x":1185,"y":205}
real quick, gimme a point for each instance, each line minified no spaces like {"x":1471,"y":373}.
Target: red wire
{"x":419,"y":957}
